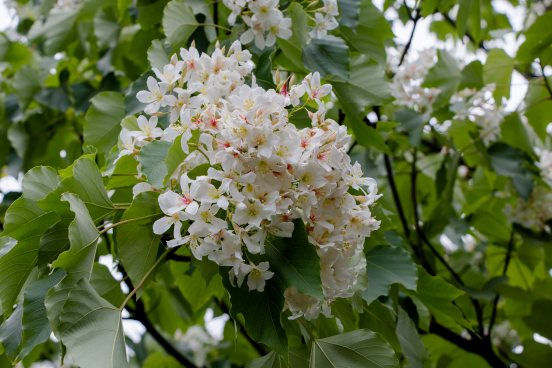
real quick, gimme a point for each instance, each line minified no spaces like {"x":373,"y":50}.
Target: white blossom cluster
{"x":265,"y":22}
{"x":533,"y":213}
{"x":199,"y":341}
{"x":263,"y":172}
{"x":545,"y":165}
{"x":406,"y":85}
{"x":480,"y":107}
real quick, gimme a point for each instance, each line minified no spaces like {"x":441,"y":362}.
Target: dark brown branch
{"x":415,"y":20}
{"x":396,"y":195}
{"x":546,"y":81}
{"x":504,"y":270}
{"x":178,"y":257}
{"x":453,"y":23}
{"x":140,"y":315}
{"x":472,"y":346}
{"x":260,"y":349}
{"x":419,"y":246}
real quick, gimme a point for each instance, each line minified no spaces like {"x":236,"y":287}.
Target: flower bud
{"x":313,"y":4}
{"x":277,"y":77}
{"x":192,"y":44}
{"x":217,"y":45}
{"x":223,"y":50}
{"x":292,"y":80}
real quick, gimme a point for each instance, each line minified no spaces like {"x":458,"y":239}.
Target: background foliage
{"x":69,"y":76}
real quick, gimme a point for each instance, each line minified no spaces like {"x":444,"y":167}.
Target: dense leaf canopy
{"x":456,"y":270}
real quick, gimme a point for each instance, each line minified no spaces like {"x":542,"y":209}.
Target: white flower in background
{"x":330,"y":7}
{"x":480,"y":107}
{"x":534,"y":213}
{"x":154,"y":97}
{"x":323,"y":24}
{"x":545,"y":165}
{"x":262,"y":173}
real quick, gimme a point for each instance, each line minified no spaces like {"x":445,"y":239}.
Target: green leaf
{"x":136,"y":242}
{"x":158,"y":360}
{"x":343,"y":310}
{"x":27,"y":82}
{"x":199,"y":170}
{"x":537,"y":39}
{"x":11,"y":333}
{"x":498,"y":69}
{"x":368,"y":87}
{"x":411,"y":343}
{"x":263,"y":71}
{"x":386,"y":265}
{"x":514,"y":133}
{"x":437,"y":295}
{"x":83,"y":236}
{"x":179,"y":23}
{"x":157,"y":56}
{"x":295,"y":262}
{"x":539,"y":107}
{"x":106,"y":27}
{"x":463,"y":14}
{"x":176,"y":155}
{"x":25,"y":222}
{"x":58,"y":30}
{"x":123,"y":174}
{"x":152,"y":157}
{"x":444,"y":75}
{"x":261,"y":311}
{"x":106,"y":285}
{"x":412,"y":122}
{"x":40,"y":181}
{"x":361,"y":348}
{"x":92,"y":329}
{"x":328,"y":55}
{"x":36,"y":327}
{"x":472,"y":76}
{"x":372,"y":29}
{"x":292,"y":48}
{"x":298,"y":358}
{"x":512,"y":162}
{"x":349,"y":10}
{"x":101,"y":127}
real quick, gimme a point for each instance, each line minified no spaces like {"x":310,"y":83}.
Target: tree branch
{"x":419,"y":246}
{"x":495,"y":301}
{"x":472,"y":346}
{"x":140,"y":315}
{"x":546,"y":81}
{"x":415,"y":20}
{"x":453,"y":23}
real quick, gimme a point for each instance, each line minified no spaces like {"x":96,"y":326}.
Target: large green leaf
{"x":349,"y":10}
{"x":295,"y":262}
{"x":58,"y":30}
{"x":157,"y":56}
{"x":261,"y":311}
{"x":106,"y":285}
{"x":372,"y":29}
{"x":368,"y":87}
{"x":26,"y":83}
{"x":106,"y":27}
{"x":176,"y":155}
{"x":437,"y":295}
{"x":101,"y":127}
{"x":411,"y":343}
{"x":11,"y":333}
{"x":298,"y":358}
{"x":539,"y":107}
{"x":179,"y":23}
{"x":444,"y":75}
{"x":292,"y":48}
{"x":152,"y":157}
{"x":25,"y":222}
{"x":83,"y":236}
{"x":537,"y":39}
{"x":36,"y":327}
{"x":512,"y":162}
{"x":92,"y":329}
{"x":136,"y":242}
{"x":386,"y":265}
{"x":328,"y":56}
{"x":498,"y":69}
{"x":361,"y":348}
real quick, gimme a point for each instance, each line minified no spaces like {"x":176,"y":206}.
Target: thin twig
{"x":415,"y":20}
{"x":504,"y":270}
{"x":419,"y":246}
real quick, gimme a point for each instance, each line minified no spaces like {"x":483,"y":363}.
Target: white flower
{"x":148,"y":130}
{"x":154,"y":97}
{"x":128,"y":143}
{"x":250,"y":212}
{"x":323,"y":25}
{"x":330,"y":7}
{"x":281,"y":30}
{"x":255,"y":32}
{"x":170,"y":74}
{"x":171,"y":205}
{"x":265,"y":11}
{"x":313,"y":87}
{"x":310,"y":176}
{"x":205,"y":217}
{"x":258,"y":276}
